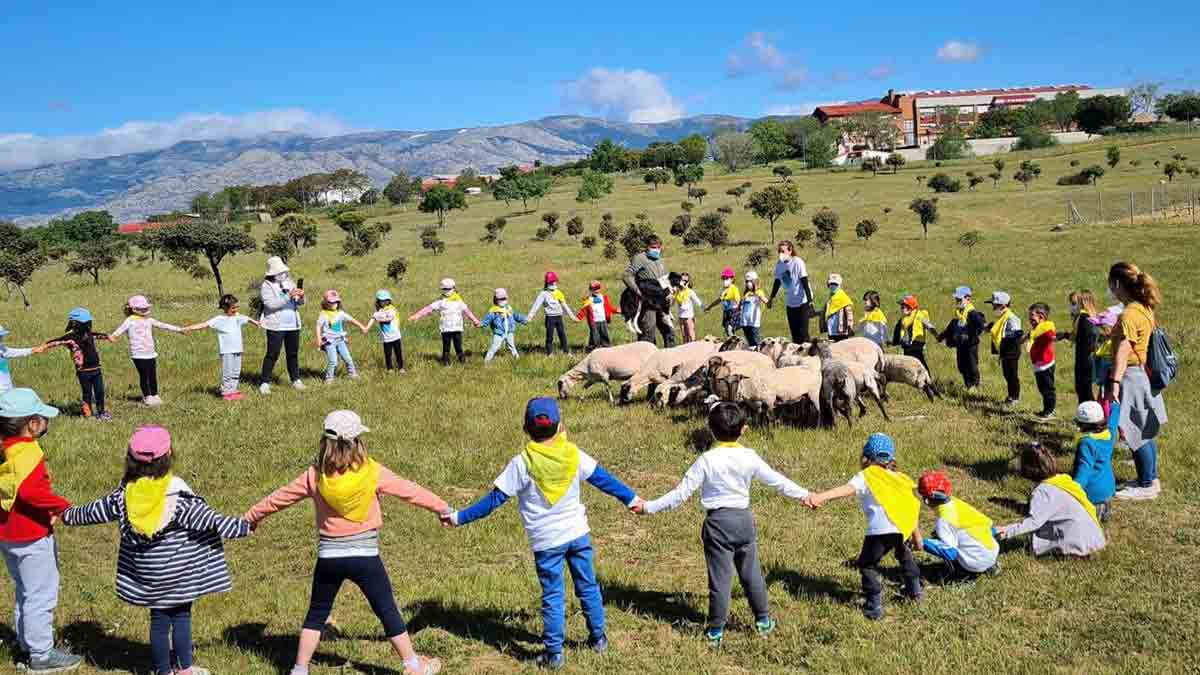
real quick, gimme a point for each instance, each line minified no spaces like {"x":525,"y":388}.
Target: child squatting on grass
{"x":963,"y":537}
{"x":545,"y":478}
{"x":1061,"y":519}
{"x":228,"y":327}
{"x":723,"y":475}
{"x":142,"y":351}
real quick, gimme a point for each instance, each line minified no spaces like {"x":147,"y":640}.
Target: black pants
{"x":1045,"y":385}
{"x":395,"y":349}
{"x":651,"y":320}
{"x":289,"y":342}
{"x":371,"y":578}
{"x":751,"y":333}
{"x":968,"y":364}
{"x":452,"y":338}
{"x":91,"y":383}
{"x":171,"y":630}
{"x":798,"y":323}
{"x":555,"y":326}
{"x":917,"y":351}
{"x":598,"y":335}
{"x":874,"y":548}
{"x":731,"y":544}
{"x":1084,"y":390}
{"x":147,"y":370}
{"x":1011,"y":367}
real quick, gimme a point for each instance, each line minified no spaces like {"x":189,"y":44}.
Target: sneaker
{"x":56,"y":661}
{"x":1140,"y":494}
{"x":402,"y":371}
{"x":599,"y":645}
{"x":194,"y":670}
{"x":1044,"y":416}
{"x":156,"y":400}
{"x":105,"y":416}
{"x":264,"y":388}
{"x":714,"y":637}
{"x":766,"y":626}
{"x":873,"y":606}
{"x":429,"y":666}
{"x":550,"y":661}
{"x":298,"y":386}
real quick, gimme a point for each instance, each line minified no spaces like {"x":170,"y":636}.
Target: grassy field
{"x":471,"y":595}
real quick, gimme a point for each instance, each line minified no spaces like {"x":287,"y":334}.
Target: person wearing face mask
{"x":1086,"y":336}
{"x":1007,"y":338}
{"x":281,"y":302}
{"x":962,"y":333}
{"x":791,"y":275}
{"x":910,"y":331}
{"x":730,"y":300}
{"x":555,"y":303}
{"x":647,"y":278}
{"x":502,"y":321}
{"x":750,"y":313}
{"x":597,"y":309}
{"x":839,"y":312}
{"x":451,"y":309}
{"x":687,"y":301}
{"x":874,"y":322}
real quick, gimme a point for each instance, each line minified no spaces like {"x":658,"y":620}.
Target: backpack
{"x":1161,"y":363}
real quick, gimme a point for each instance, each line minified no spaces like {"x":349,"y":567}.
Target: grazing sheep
{"x":907,"y":370}
{"x":768,"y":391}
{"x":688,"y":385}
{"x":857,"y":349}
{"x":659,"y":367}
{"x":867,"y":382}
{"x":607,"y":364}
{"x":734,"y":343}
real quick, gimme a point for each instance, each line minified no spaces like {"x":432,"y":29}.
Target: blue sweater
{"x":600,"y":479}
{"x":1093,"y":461}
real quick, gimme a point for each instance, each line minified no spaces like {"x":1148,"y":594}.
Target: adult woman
{"x":1142,"y":410}
{"x":792,"y":275}
{"x":281,"y":301}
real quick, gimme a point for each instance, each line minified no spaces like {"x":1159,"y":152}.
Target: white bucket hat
{"x":751,"y":276}
{"x":501,"y":294}
{"x":447,"y":284}
{"x":1089,"y":412}
{"x":275,"y":266}
{"x":344,"y":425}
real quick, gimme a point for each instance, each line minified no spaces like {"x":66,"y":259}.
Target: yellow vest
{"x":876,"y":315}
{"x":912,"y":326}
{"x":837,"y":302}
{"x":1067,"y":484}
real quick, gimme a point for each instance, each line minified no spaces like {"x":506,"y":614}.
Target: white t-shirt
{"x":789,"y":275}
{"x":388,"y":320}
{"x":596,"y":302}
{"x":723,"y":475}
{"x":972,"y":554}
{"x":229,"y":332}
{"x":450,"y":315}
{"x":7,"y":353}
{"x":877,"y":519}
{"x":687,"y":308}
{"x":332,"y":325}
{"x":752,"y":304}
{"x":547,"y":526}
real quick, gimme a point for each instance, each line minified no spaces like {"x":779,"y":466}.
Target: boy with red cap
{"x":729,"y":300}
{"x":912,"y":328}
{"x":963,"y":536}
{"x":598,"y":310}
{"x":556,"y":306}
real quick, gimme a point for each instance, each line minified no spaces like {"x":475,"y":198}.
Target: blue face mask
{"x":654,"y":254}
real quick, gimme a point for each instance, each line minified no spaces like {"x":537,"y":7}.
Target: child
{"x":962,"y":333}
{"x":598,"y":310}
{"x":687,"y":301}
{"x":331,"y":335}
{"x":1093,"y":468}
{"x":141,"y":327}
{"x":839,"y":311}
{"x":729,"y":300}
{"x":1006,"y":342}
{"x":502,"y":320}
{"x":887,"y":500}
{"x":80,"y":339}
{"x":910,"y":331}
{"x":7,"y":353}
{"x":545,"y":479}
{"x":170,"y":553}
{"x":28,"y":509}
{"x":389,"y":329}
{"x":723,"y":476}
{"x":1083,"y":332}
{"x":1102,"y":360}
{"x":874,"y":322}
{"x":1041,"y":353}
{"x":451,"y":309}
{"x":750,"y":311}
{"x":556,"y":306}
{"x":228,"y":327}
{"x":963,"y":536}
{"x":345,"y":484}
{"x":1061,"y":518}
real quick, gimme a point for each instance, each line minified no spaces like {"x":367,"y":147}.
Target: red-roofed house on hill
{"x":137,"y":228}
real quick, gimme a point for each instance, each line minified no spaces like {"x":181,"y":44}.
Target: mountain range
{"x":135,"y":185}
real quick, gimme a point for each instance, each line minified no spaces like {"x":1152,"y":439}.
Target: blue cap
{"x":879,"y":448}
{"x":24,"y":403}
{"x":542,"y":412}
{"x":383,"y":294}
{"x":80,"y":314}
{"x":3,"y":331}
{"x":962,"y":292}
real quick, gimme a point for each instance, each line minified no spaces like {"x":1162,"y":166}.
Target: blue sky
{"x":103,"y":78}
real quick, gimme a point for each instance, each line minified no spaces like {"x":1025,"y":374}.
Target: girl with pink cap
{"x":140,"y":327}
{"x":555,"y":303}
{"x":331,"y":335}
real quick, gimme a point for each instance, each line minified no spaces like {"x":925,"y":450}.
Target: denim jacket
{"x":502,"y":325}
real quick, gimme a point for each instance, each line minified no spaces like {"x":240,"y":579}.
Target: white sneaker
{"x":264,"y":388}
{"x":1140,"y":494}
{"x":153,"y":401}
{"x":298,"y":385}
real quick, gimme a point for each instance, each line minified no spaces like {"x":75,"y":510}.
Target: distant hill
{"x":134,"y":185}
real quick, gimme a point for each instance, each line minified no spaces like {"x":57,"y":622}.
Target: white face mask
{"x":784,"y":257}
{"x":502,"y":303}
{"x":962,"y":304}
{"x":552,"y":287}
{"x":727,"y":282}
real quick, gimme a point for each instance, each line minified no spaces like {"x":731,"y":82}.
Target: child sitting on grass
{"x":451,"y":309}
{"x":81,"y":342}
{"x":332,"y":337}
{"x":228,"y":327}
{"x":1093,"y":468}
{"x":502,"y":320}
{"x":963,"y":537}
{"x":1040,"y":343}
{"x":140,"y":326}
{"x":389,"y":329}
{"x":7,"y":353}
{"x":28,"y":510}
{"x":887,"y":500}
{"x":345,"y":484}
{"x":170,"y":551}
{"x":723,"y":476}
{"x":1061,"y":518}
{"x":545,"y":478}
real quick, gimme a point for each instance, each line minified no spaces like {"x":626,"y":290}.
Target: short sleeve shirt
{"x":389,"y":324}
{"x":546,"y":525}
{"x":789,"y":275}
{"x":877,"y":519}
{"x":229,"y":332}
{"x":1136,"y":324}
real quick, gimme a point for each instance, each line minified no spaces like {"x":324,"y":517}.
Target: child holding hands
{"x":451,"y":309}
{"x":1061,"y":518}
{"x":502,"y":320}
{"x":140,"y":326}
{"x":7,"y":353}
{"x":388,"y":320}
{"x":963,"y":537}
{"x":331,"y":335}
{"x":228,"y":327}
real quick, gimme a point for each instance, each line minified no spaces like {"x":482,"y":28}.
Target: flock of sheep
{"x":806,"y":384}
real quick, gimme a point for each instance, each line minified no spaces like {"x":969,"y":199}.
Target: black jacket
{"x":965,"y":337}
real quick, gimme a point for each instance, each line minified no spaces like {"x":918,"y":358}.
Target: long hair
{"x":1137,"y":284}
{"x":153,"y":469}
{"x":1036,"y":463}
{"x":336,"y":456}
{"x":1085,"y":300}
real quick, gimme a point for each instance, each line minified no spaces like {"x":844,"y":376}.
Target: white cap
{"x":751,"y":276}
{"x":1000,"y":298}
{"x":500,"y":294}
{"x":834,"y":278}
{"x":1089,"y":412}
{"x":447,"y":284}
{"x":275,"y":266}
{"x":344,"y":425}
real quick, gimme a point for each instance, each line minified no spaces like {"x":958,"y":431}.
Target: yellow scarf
{"x":681,"y":298}
{"x":1067,"y":484}
{"x":1041,"y":329}
{"x":962,"y":313}
{"x":1105,"y":350}
{"x":894,"y":492}
{"x":351,"y":494}
{"x":145,"y":500}
{"x":330,"y":316}
{"x":913,"y":325}
{"x":559,"y":296}
{"x":837,"y":302}
{"x":504,"y":311}
{"x":731,"y":294}
{"x":875,"y":316}
{"x":998,"y":328}
{"x":552,"y":466}
{"x":20,"y":461}
{"x":454,"y":297}
{"x":963,"y":516}
{"x":1103,"y":436}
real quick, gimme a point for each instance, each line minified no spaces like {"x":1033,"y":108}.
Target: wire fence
{"x":1175,"y":201}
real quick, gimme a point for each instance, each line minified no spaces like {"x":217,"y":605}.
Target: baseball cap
{"x":727,"y":273}
{"x":80,"y":314}
{"x":24,"y":403}
{"x":331,"y":296}
{"x":148,"y":443}
{"x":962,"y":292}
{"x":834,"y":278}
{"x":383,"y":294}
{"x":909,"y":301}
{"x":751,"y":276}
{"x":1089,"y":412}
{"x":138,"y":302}
{"x":879,"y":448}
{"x":344,"y":425}
{"x":542,"y":412}
{"x":1000,"y":298}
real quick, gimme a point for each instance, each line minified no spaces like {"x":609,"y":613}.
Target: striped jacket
{"x":183,"y":561}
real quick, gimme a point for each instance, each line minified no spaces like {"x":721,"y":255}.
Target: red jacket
{"x":1041,"y":350}
{"x":34,"y":505}
{"x":585,"y":312}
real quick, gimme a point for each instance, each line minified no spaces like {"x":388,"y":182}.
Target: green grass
{"x":471,"y":594}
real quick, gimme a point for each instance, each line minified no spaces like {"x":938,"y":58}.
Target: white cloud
{"x":758,"y":54}
{"x":631,"y":95}
{"x":20,"y":151}
{"x":958,"y":50}
{"x":802,"y":108}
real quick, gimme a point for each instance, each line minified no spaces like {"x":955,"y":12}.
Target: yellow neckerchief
{"x":145,"y":501}
{"x":351,"y":493}
{"x":876,"y":316}
{"x":728,"y":444}
{"x":837,"y":302}
{"x":963,"y":516}
{"x":894,"y":492}
{"x":962,"y":313}
{"x":557,"y":294}
{"x":1041,"y":329}
{"x":330,"y":316}
{"x":998,"y":328}
{"x":1105,"y":350}
{"x":1104,"y":436}
{"x":1067,"y":484}
{"x":731,"y":294}
{"x":553,"y":466}
{"x":913,"y":325}
{"x":503,"y":311}
{"x":681,"y":298}
{"x":453,"y":297}
{"x":20,"y":461}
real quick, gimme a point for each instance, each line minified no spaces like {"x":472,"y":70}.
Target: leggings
{"x":452,"y":338}
{"x":555,"y":326}
{"x":393,"y":349}
{"x":369,"y":574}
{"x":289,"y":342}
{"x":147,"y":370}
{"x":798,"y":322}
{"x":171,"y":627}
{"x":91,"y":382}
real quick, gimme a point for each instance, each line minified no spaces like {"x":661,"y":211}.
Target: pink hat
{"x":551,"y":278}
{"x":138,"y":302}
{"x":332,"y":296}
{"x":150,"y":443}
{"x":727,"y":273}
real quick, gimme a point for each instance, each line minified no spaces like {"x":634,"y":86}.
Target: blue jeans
{"x":34,"y":571}
{"x":334,"y":349}
{"x":171,"y":627}
{"x":1145,"y":459}
{"x":549,"y":563}
{"x":499,"y":341}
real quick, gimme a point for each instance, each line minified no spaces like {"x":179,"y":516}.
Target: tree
{"x":698,"y":194}
{"x":468,"y":178}
{"x":350,"y":221}
{"x":1098,"y":112}
{"x":300,"y":229}
{"x":1093,"y":173}
{"x":998,"y":122}
{"x":974,"y":182}
{"x":952,"y":144}
{"x":1183,"y":106}
{"x":688,"y":175}
{"x":998,"y":164}
{"x":1171,"y":168}
{"x":20,"y":257}
{"x":969,"y":240}
{"x":872,"y":164}
{"x":773,"y":201}
{"x":865,"y":229}
{"x":637,"y":235}
{"x":361,"y":241}
{"x":607,"y":157}
{"x":397,"y":268}
{"x":803,"y":236}
{"x":594,"y":187}
{"x":1033,"y":138}
{"x":896,"y":160}
{"x":827,"y":224}
{"x":941,"y":182}
{"x":758,"y":256}
{"x":820,"y":148}
{"x":695,"y":149}
{"x":710,"y":229}
{"x":656,"y":177}
{"x":149,"y":241}
{"x":494,"y":231}
{"x":610,"y":250}
{"x":996,"y":176}
{"x":522,"y":187}
{"x":1063,"y":109}
{"x":1027,"y":173}
{"x":1114,"y":156}
{"x":1037,"y":113}
{"x":442,"y":200}
{"x":736,"y":193}
{"x":877,"y":130}
{"x":686,"y":206}
{"x":771,"y":136}
{"x":575,"y":226}
{"x":608,"y":230}
{"x":185,"y":243}
{"x":402,"y":188}
{"x":927,"y":210}
{"x":1142,"y":96}
{"x":736,"y":151}
{"x":284,"y":206}
{"x":680,"y":225}
{"x":369,"y":197}
{"x":664,"y":155}
{"x":431,"y":242}
{"x":588,"y":242}
{"x":783,"y":171}
{"x":551,"y":220}
{"x":279,"y":245}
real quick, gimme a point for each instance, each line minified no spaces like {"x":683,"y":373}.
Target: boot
{"x":873,"y":606}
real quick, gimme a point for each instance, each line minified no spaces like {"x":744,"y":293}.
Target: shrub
{"x":637,"y":235}
{"x":698,"y":194}
{"x":926,"y":210}
{"x":575,"y":226}
{"x":551,"y":221}
{"x":710,"y":229}
{"x":804,"y":236}
{"x":608,"y":231}
{"x":680,"y":225}
{"x":758,"y":256}
{"x":686,"y":206}
{"x":969,"y":240}
{"x":725,"y":209}
{"x":1033,"y":137}
{"x":542,"y":234}
{"x":941,"y":182}
{"x":827,"y":224}
{"x":610,"y":250}
{"x":278,"y":244}
{"x":1074,"y":179}
{"x":588,"y":241}
{"x":865,"y":229}
{"x":397,"y":268}
{"x":494,"y":231}
{"x":431,"y":242}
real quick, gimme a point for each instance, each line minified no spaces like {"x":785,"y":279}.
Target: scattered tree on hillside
{"x":783,"y":171}
{"x":637,"y":235}
{"x":941,"y":182}
{"x":711,"y":229}
{"x":688,"y":175}
{"x":757,"y":257}
{"x":20,"y":257}
{"x":996,"y":176}
{"x":1063,"y":108}
{"x":969,"y":240}
{"x":887,"y":210}
{"x":362,"y":241}
{"x":369,"y":197}
{"x":300,"y":230}
{"x":698,"y":194}
{"x":872,"y":164}
{"x":402,"y":188}
{"x":686,"y":207}
{"x":594,"y":187}
{"x":551,"y":220}
{"x":695,"y":149}
{"x":1098,"y":112}
{"x":94,"y":257}
{"x":927,"y":210}
{"x":736,"y":193}
{"x":680,"y":225}
{"x":184,"y":244}
{"x":974,"y":182}
{"x":149,"y":241}
{"x":431,"y":242}
{"x":588,"y":242}
{"x":736,"y":151}
{"x":952,"y":144}
{"x":608,"y":230}
{"x":656,"y":177}
{"x":441,"y":200}
{"x":827,"y":224}
{"x":1093,"y":173}
{"x":575,"y":226}
{"x":1171,"y":168}
{"x":803,"y":236}
{"x":865,"y":229}
{"x":284,"y":206}
{"x":773,"y":201}
{"x":896,"y":160}
{"x":1113,"y":155}
{"x":610,"y":250}
{"x":522,"y":187}
{"x":607,"y":157}
{"x":494,"y":231}
{"x":771,"y":136}
{"x":277,"y":244}
{"x":397,"y":268}
{"x":1183,"y":106}
{"x":350,"y":221}
{"x":1027,"y":173}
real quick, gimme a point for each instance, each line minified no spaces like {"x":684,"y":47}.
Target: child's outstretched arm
{"x":764,"y":474}
{"x":356,"y":322}
{"x":165,"y":326}
{"x":392,"y":485}
{"x":195,"y":327}
{"x":610,"y":485}
{"x":1039,"y":512}
{"x":20,"y":352}
{"x":120,"y":330}
{"x":298,"y":490}
{"x":198,"y":516}
{"x":103,"y":510}
{"x":422,"y":313}
{"x":840,"y":492}
{"x":692,"y":480}
{"x":470,"y":315}
{"x":479,"y":510}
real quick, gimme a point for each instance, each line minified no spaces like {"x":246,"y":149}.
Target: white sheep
{"x":605,"y":365}
{"x":844,"y":381}
{"x":907,"y":370}
{"x":767,"y":391}
{"x":857,"y":349}
{"x":659,"y":367}
{"x":688,"y":384}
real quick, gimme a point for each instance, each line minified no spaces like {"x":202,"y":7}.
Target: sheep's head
{"x":772,"y":348}
{"x":564,"y":387}
{"x":821,"y":348}
{"x":626,"y":393}
{"x":712,"y":339}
